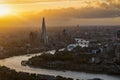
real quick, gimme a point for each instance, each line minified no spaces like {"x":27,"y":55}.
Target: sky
{"x":61,"y":12}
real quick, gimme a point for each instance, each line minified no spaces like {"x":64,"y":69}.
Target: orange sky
{"x":60,"y":12}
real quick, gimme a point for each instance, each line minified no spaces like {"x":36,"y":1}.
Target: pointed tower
{"x":44,"y":36}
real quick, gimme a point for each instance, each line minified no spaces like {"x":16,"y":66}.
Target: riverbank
{"x":70,"y":62}
{"x":15,"y":64}
{"x":20,"y":53}
{"x":9,"y":74}
{"x":82,"y":68}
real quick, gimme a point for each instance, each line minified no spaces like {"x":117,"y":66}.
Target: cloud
{"x":114,"y":3}
{"x":86,"y":12}
{"x":104,"y":4}
{"x":66,"y":16}
{"x":26,"y":1}
{"x":72,"y":16}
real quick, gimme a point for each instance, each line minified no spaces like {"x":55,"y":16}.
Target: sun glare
{"x":5,"y":10}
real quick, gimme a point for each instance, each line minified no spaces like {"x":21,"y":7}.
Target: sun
{"x":5,"y":10}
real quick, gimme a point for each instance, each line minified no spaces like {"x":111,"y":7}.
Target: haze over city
{"x":59,"y":39}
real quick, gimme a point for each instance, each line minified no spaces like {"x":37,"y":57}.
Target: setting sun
{"x":5,"y":10}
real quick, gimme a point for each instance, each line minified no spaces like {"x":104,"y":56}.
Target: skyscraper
{"x":118,"y":36}
{"x":44,"y":36}
{"x":33,"y":36}
{"x":117,"y":53}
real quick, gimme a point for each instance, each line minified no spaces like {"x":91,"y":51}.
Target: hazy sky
{"x":62,"y":12}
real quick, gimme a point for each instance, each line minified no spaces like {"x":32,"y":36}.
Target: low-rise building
{"x":78,"y":42}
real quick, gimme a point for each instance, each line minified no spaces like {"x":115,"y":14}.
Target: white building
{"x":70,"y":47}
{"x":79,"y":42}
{"x":82,"y":42}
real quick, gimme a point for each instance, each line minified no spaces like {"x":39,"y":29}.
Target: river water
{"x":15,"y":63}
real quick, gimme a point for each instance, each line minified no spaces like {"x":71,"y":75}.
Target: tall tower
{"x":117,"y":53}
{"x":44,"y":36}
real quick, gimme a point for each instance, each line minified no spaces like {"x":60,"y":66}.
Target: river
{"x":15,"y":63}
